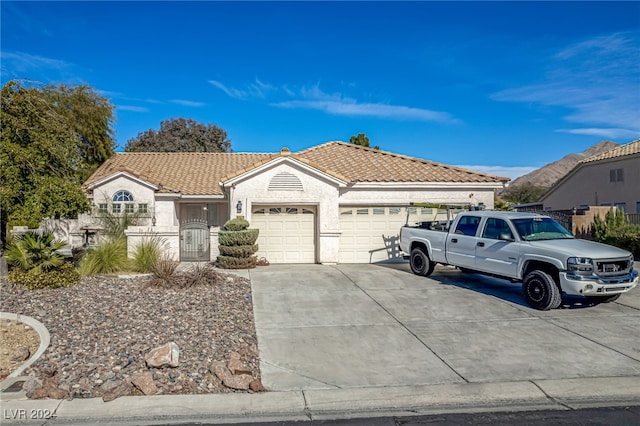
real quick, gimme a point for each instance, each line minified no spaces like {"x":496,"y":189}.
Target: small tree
{"x":181,"y":135}
{"x":362,"y":140}
{"x":237,"y":245}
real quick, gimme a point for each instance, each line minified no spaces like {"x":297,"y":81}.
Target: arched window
{"x":121,"y":198}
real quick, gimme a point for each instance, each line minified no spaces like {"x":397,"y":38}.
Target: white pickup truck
{"x":522,"y":247}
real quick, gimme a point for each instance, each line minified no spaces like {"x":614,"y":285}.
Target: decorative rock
{"x":144,"y":382}
{"x":219,"y":368}
{"x":236,"y":366}
{"x":256,"y":386}
{"x":21,"y":354}
{"x":120,"y":389}
{"x":167,"y":354}
{"x":240,"y":382}
{"x":31,"y":384}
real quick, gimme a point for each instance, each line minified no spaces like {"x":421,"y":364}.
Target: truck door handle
{"x":454,"y":240}
{"x":481,"y":244}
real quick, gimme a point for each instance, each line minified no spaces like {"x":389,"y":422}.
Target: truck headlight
{"x":580,"y":265}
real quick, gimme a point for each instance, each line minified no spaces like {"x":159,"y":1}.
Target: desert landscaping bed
{"x":103,"y":328}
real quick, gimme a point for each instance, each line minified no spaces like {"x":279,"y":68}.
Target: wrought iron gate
{"x":194,"y":241}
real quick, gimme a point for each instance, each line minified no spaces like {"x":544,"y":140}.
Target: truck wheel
{"x":420,"y":262}
{"x":540,"y":291}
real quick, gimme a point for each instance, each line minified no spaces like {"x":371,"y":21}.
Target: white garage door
{"x":287,"y":233}
{"x":370,"y":234}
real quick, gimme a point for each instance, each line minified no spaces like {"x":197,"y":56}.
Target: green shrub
{"x":107,"y":258}
{"x":238,"y":251}
{"x":237,"y":224}
{"x":64,"y":276}
{"x":34,"y":252}
{"x":246,"y":237}
{"x":626,"y":237}
{"x":237,"y":245}
{"x":616,"y":231}
{"x":229,"y":262}
{"x":147,"y":253}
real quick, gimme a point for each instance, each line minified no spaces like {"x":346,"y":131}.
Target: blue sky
{"x":502,"y":87}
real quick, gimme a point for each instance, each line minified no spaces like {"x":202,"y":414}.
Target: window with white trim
{"x":122,"y":198}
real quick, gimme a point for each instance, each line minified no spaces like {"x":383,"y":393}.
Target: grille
{"x":613,"y":267}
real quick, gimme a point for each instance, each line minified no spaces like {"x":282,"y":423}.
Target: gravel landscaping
{"x":103,"y":328}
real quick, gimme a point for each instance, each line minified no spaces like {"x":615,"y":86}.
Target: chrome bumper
{"x":596,"y":286}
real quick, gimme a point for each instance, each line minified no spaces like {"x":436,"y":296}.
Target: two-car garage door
{"x":368,"y":234}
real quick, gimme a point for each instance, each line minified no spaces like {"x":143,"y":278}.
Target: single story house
{"x":331,"y":203}
{"x":611,"y":178}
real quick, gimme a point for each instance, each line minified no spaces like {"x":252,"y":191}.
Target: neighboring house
{"x":334,"y":202}
{"x":611,"y":178}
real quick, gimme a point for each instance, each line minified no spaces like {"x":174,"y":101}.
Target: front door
{"x":194,"y":241}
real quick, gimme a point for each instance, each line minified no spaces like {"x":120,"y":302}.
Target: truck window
{"x":467,"y":225}
{"x":495,"y":227}
{"x":540,"y":228}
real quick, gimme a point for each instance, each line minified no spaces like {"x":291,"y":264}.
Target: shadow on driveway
{"x":491,"y":286}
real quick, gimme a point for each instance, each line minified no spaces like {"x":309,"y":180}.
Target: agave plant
{"x":35,"y":252}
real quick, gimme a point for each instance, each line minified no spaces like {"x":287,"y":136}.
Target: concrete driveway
{"x":349,"y":326}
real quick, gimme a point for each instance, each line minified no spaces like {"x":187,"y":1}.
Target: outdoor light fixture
{"x":239,"y":207}
{"x":153,"y":221}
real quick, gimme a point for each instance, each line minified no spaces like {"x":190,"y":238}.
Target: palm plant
{"x":35,"y":252}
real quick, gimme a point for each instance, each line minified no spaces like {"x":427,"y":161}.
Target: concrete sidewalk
{"x":330,"y":404}
{"x":367,"y":340}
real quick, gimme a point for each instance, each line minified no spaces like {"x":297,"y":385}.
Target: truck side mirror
{"x":506,"y":236}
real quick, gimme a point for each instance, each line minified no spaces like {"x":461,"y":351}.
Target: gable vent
{"x":285,"y":181}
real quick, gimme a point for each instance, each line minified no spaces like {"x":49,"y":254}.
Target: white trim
{"x":202,"y":197}
{"x":425,"y":185}
{"x":122,"y":174}
{"x":277,"y":161}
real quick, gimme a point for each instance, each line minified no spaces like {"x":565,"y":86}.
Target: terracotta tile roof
{"x":362,"y":164}
{"x":190,"y":173}
{"x":619,"y":151}
{"x":197,"y":173}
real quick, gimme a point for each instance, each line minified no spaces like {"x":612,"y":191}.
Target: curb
{"x":331,"y":403}
{"x":42,"y":331}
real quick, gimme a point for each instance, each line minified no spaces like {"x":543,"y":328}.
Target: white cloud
{"x":315,"y":98}
{"x":132,"y":108}
{"x":512,"y":172}
{"x":598,"y":80}
{"x":351,"y":108}
{"x":188,"y":103}
{"x":18,"y":65}
{"x":615,"y":134}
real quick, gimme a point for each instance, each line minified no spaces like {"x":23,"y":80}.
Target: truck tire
{"x":420,"y":262}
{"x":541,"y":291}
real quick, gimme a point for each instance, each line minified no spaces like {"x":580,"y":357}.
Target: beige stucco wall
{"x":143,"y":194}
{"x":402,"y":196}
{"x":590,"y":185}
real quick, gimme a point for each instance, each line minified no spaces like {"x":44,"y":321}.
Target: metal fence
{"x":633,"y":218}
{"x":561,"y":216}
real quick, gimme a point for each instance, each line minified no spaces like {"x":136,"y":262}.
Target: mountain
{"x":549,"y":174}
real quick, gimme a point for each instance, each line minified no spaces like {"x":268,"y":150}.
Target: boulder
{"x":144,"y":382}
{"x":117,"y":390}
{"x":21,"y":353}
{"x":161,"y":356}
